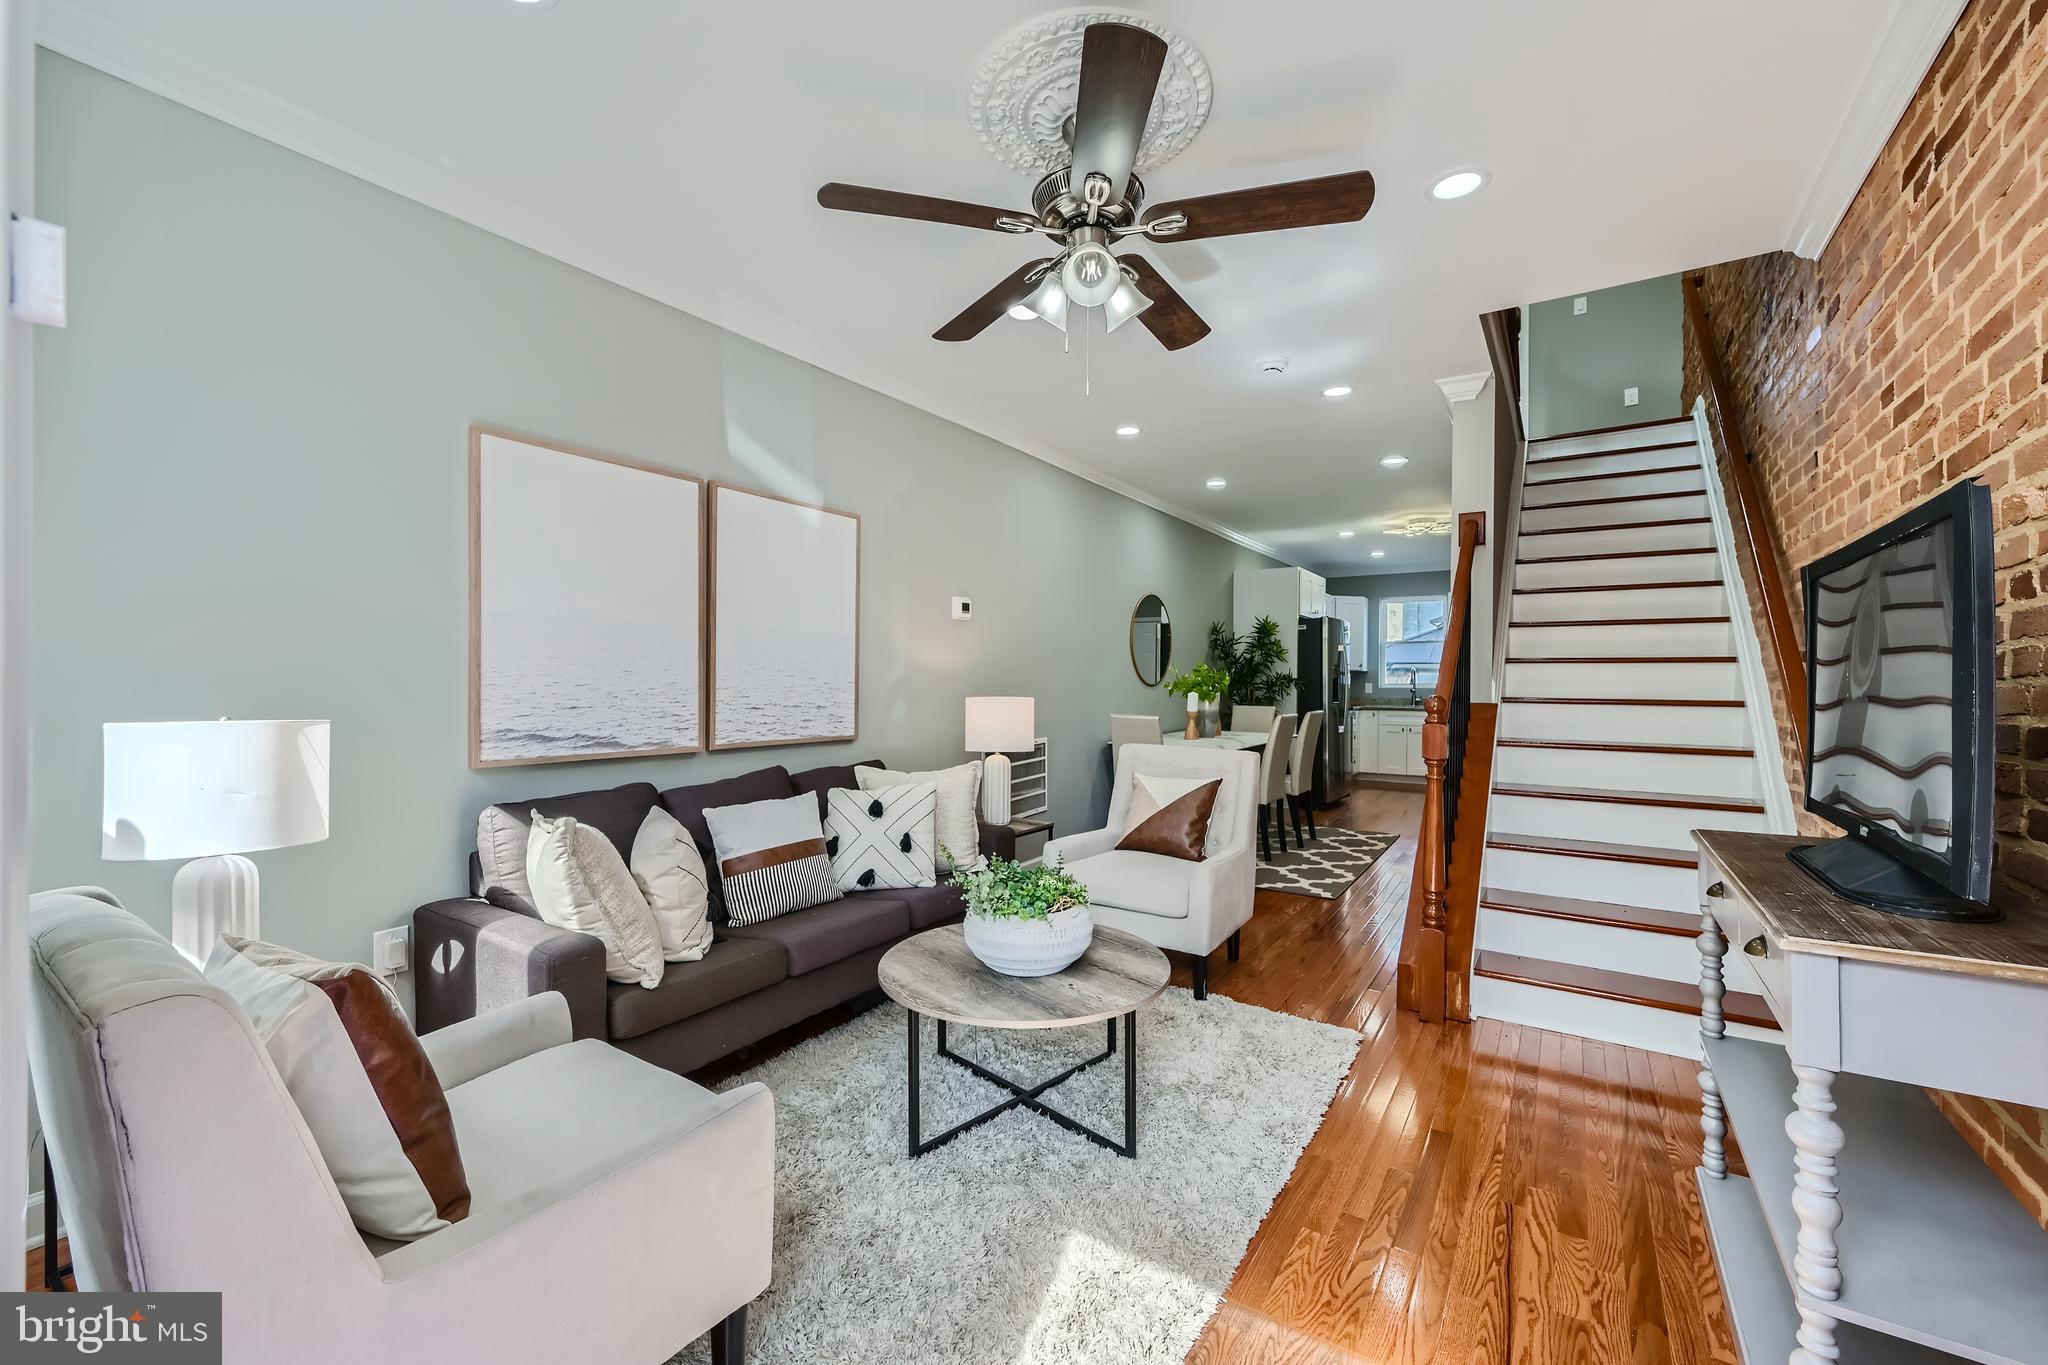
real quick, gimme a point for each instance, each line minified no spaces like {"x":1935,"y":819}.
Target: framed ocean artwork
{"x":586,"y":606}
{"x":785,"y":621}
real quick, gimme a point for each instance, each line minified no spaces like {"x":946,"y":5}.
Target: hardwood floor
{"x":1477,"y":1192}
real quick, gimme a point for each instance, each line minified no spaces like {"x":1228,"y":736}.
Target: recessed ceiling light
{"x":1218,"y":483}
{"x":1393,"y":461}
{"x":1337,"y":391}
{"x":1346,"y":535}
{"x":1457,"y":184}
{"x":1127,"y":430}
{"x":1017,"y":310}
{"x":1379,"y":554}
{"x":535,"y":4}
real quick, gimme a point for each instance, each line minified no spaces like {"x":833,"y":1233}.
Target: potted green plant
{"x":1203,"y":686}
{"x":1256,"y":662}
{"x":1024,"y":920}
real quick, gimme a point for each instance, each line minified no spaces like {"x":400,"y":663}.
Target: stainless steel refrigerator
{"x":1322,"y":670}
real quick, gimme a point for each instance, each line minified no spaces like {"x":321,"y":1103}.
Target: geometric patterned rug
{"x":1327,"y":865}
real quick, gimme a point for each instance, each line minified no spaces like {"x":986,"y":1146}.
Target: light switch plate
{"x":391,"y":951}
{"x":1578,"y":305}
{"x":1631,"y":397}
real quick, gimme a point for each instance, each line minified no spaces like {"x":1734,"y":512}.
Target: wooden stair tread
{"x":1534,"y":461}
{"x":1620,"y":701}
{"x":1626,"y":621}
{"x":1626,"y":497}
{"x":1591,"y":912}
{"x":1619,"y":747}
{"x":1613,"y":474}
{"x":1616,"y":554}
{"x":1612,"y":526}
{"x":1681,"y":997}
{"x":1679,"y":800}
{"x":1595,"y":849}
{"x":1625,"y":587}
{"x":1622,"y":659}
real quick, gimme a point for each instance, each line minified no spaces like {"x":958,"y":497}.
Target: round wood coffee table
{"x":934,"y":973}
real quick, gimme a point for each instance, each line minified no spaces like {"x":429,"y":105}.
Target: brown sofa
{"x":472,"y":954}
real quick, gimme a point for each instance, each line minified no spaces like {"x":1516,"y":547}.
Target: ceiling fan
{"x":1095,"y":200}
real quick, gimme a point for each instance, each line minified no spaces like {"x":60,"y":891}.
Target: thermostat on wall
{"x":963,"y":610}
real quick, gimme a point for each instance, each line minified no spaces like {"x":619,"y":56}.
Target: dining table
{"x":1254,"y":740}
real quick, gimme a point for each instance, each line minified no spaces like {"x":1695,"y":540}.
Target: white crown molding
{"x":126,"y":54}
{"x":1910,"y":44}
{"x":1463,"y":388}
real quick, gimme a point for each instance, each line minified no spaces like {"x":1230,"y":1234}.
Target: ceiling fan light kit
{"x":1086,"y":99}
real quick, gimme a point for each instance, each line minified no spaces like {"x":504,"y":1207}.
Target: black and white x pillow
{"x":882,"y":838}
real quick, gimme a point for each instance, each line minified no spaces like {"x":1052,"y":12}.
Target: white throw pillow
{"x":883,"y":837}
{"x":580,"y":882}
{"x":670,"y":874}
{"x":959,"y":816}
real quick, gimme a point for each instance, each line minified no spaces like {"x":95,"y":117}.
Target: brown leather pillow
{"x":1170,"y":816}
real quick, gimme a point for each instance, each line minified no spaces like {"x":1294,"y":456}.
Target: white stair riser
{"x":1614,"y":822}
{"x":1664,"y":433}
{"x":1607,"y":642}
{"x":1614,"y":513}
{"x":1706,"y":682}
{"x":1608,"y":604}
{"x":1658,"y":457}
{"x":1555,"y":874}
{"x":1605,"y":540}
{"x":1629,"y":486}
{"x":1636,"y":951}
{"x":1619,"y":770}
{"x":1610,"y":1021}
{"x":1625,"y":724}
{"x":1588,"y":573}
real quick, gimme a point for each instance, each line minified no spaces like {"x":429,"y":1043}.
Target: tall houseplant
{"x":1256,"y":662}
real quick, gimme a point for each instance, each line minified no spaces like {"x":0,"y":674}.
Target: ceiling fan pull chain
{"x":1087,"y":352}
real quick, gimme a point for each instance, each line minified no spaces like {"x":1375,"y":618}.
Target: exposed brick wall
{"x":1911,"y":355}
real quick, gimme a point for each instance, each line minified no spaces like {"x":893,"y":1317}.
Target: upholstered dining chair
{"x":1252,"y":717}
{"x":1132,"y":730}
{"x":1273,"y":780}
{"x":1301,"y":774}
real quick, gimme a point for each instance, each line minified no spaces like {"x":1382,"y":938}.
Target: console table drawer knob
{"x":1755,"y":947}
{"x":1718,"y":890}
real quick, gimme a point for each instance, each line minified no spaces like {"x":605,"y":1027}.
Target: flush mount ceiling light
{"x":1458,"y":184}
{"x":1379,"y":554}
{"x":1219,"y":483}
{"x":1127,"y":430}
{"x":1346,"y":535}
{"x":1337,"y":391}
{"x":1393,"y":461}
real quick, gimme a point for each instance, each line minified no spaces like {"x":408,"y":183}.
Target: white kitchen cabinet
{"x":1365,"y":741}
{"x":1357,"y":613}
{"x":1413,"y":754}
{"x":1400,"y":743}
{"x":1315,"y":595}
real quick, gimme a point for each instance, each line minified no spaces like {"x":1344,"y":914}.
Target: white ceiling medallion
{"x":1027,"y":85}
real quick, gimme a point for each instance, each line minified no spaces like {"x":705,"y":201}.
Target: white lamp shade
{"x":1000,"y":725}
{"x":193,"y":789}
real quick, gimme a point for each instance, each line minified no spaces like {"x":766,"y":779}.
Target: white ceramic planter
{"x":1030,"y":947}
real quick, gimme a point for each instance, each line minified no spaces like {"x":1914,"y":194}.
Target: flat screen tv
{"x":1899,"y":698}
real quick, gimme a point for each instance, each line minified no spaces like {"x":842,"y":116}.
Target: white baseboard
{"x":32,"y":1221}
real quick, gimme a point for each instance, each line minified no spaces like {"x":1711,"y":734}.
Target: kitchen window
{"x":1412,"y":640}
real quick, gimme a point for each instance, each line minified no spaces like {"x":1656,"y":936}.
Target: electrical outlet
{"x":391,"y":951}
{"x":1631,"y":397}
{"x":1578,"y":305}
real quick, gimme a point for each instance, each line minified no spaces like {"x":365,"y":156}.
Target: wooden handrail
{"x":1421,"y":979}
{"x":1503,"y":333}
{"x":1756,"y":540}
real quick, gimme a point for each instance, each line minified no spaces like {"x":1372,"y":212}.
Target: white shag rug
{"x":1019,"y":1243}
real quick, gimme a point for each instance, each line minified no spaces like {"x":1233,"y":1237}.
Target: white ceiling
{"x":675,"y":148}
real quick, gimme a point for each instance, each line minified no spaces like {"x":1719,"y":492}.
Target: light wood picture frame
{"x":784,"y":621}
{"x":587,"y":588}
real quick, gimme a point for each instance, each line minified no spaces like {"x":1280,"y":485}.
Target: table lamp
{"x":996,"y":728}
{"x":211,"y":791}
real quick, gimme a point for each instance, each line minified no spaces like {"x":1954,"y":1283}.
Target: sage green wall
{"x":251,"y":500}
{"x":1632,"y":334}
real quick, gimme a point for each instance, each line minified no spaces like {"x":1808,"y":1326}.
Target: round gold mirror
{"x":1151,"y":640}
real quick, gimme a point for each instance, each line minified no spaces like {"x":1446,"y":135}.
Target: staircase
{"x":1624,"y":724}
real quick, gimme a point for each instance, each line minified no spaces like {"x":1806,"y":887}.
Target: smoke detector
{"x":1277,"y":365}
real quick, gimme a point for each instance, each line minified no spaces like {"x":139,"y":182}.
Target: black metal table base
{"x":1026,"y":1097}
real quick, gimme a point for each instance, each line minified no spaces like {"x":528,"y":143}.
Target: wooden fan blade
{"x":1120,"y":65}
{"x":1169,"y":318}
{"x":896,"y":204}
{"x":976,"y":316}
{"x":1299,"y":203}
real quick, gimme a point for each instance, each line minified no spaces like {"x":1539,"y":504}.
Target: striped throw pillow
{"x":771,"y":857}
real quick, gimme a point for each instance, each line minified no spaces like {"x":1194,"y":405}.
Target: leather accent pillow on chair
{"x":883,"y":837}
{"x":670,"y":873}
{"x":579,"y":882}
{"x":771,"y":857}
{"x":1170,"y":815}
{"x":360,"y":1079}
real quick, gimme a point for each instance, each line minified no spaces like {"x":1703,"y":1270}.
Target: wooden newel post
{"x":1431,"y":864}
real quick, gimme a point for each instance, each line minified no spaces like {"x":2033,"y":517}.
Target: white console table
{"x":1868,"y":1232}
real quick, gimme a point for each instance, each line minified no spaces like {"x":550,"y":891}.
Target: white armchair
{"x":1188,"y":907}
{"x":183,"y":1163}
